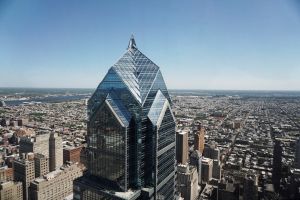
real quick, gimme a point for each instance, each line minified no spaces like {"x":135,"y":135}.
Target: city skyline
{"x":133,"y":100}
{"x":200,"y":45}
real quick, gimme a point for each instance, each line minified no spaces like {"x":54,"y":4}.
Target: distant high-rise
{"x":41,"y":165}
{"x":187,"y":182}
{"x":277,"y":165}
{"x":211,"y":151}
{"x":47,"y":144}
{"x":11,"y":191}
{"x":216,"y":174}
{"x":131,"y":134}
{"x":24,"y":171}
{"x":38,"y":144}
{"x":182,"y":147}
{"x":199,"y":139}
{"x":207,"y":169}
{"x":55,"y":152}
{"x":196,"y":160}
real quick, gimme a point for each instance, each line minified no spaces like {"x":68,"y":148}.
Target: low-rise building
{"x":6,"y":174}
{"x":72,"y":154}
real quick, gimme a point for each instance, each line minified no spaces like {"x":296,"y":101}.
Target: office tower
{"x":11,"y":191}
{"x":131,"y":134}
{"x":207,"y":169}
{"x":55,"y":152}
{"x":199,"y":139}
{"x":277,"y":163}
{"x":211,"y":151}
{"x":46,"y":144}
{"x":216,"y":174}
{"x":297,"y":154}
{"x":41,"y":165}
{"x":196,"y":160}
{"x":72,"y":154}
{"x":182,"y":147}
{"x":55,"y":185}
{"x":187,"y":182}
{"x":24,"y":172}
{"x":250,"y":187}
{"x":228,"y":191}
{"x":38,"y":144}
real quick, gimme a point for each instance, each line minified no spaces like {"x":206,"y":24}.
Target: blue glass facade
{"x":131,"y":131}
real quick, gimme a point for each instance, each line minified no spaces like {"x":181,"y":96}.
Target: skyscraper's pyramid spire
{"x":132,"y":44}
{"x":137,"y":71}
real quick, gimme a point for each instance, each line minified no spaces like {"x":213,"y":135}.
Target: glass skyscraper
{"x":131,"y":134}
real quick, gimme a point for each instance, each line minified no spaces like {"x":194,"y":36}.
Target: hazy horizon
{"x":183,"y":89}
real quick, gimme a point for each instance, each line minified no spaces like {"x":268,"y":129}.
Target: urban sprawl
{"x":248,"y":148}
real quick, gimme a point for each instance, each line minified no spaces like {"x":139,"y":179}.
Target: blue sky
{"x":200,"y":44}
